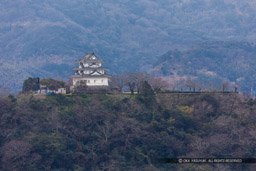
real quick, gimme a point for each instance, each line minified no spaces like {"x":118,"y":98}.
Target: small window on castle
{"x":94,"y":81}
{"x":88,"y":81}
{"x":102,"y":81}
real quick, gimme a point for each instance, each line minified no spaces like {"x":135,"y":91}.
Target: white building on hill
{"x":90,"y":72}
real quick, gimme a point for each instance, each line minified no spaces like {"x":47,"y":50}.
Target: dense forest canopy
{"x":125,"y":132}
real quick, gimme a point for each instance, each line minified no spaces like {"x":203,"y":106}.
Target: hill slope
{"x":121,"y":132}
{"x":35,"y":35}
{"x":212,"y":62}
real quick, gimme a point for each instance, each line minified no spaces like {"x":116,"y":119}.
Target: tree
{"x":146,"y":95}
{"x":191,"y":84}
{"x":158,"y":83}
{"x":31,"y":84}
{"x":130,"y":80}
{"x":225,"y":85}
{"x":18,"y":155}
{"x":173,"y":85}
{"x":140,"y":78}
{"x":118,"y":81}
{"x":4,"y":91}
{"x":135,"y":80}
{"x":52,"y":84}
{"x":181,"y":84}
{"x":81,"y":88}
{"x":146,"y":90}
{"x":68,"y":84}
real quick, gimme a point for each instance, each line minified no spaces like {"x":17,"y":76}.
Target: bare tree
{"x":104,"y":131}
{"x":200,"y":87}
{"x":234,"y":86}
{"x":108,"y":165}
{"x":225,"y":85}
{"x":181,"y":84}
{"x":17,"y":155}
{"x":4,"y":91}
{"x":140,"y":78}
{"x":134,"y":80}
{"x":200,"y":146}
{"x":191,"y":84}
{"x":158,"y":83}
{"x":173,"y":85}
{"x":118,"y":81}
{"x":212,"y":86}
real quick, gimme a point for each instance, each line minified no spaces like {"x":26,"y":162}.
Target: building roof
{"x":90,"y":57}
{"x":89,"y":68}
{"x":90,"y":76}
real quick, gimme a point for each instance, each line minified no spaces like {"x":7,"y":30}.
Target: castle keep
{"x":90,"y":72}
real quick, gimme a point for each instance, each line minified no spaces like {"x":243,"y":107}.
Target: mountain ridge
{"x":122,"y":33}
{"x":214,"y":61}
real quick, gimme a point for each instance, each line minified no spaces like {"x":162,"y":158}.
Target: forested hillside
{"x":125,"y":132}
{"x":44,"y":38}
{"x":212,"y":62}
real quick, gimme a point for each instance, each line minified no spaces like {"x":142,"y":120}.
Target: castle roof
{"x":89,"y":68}
{"x":90,"y":76}
{"x":90,"y":57}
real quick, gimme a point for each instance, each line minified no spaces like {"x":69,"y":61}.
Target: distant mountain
{"x":43,"y":38}
{"x":212,"y":62}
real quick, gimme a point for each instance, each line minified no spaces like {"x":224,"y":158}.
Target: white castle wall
{"x":92,"y":81}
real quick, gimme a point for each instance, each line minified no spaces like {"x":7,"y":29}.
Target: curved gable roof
{"x":90,"y":57}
